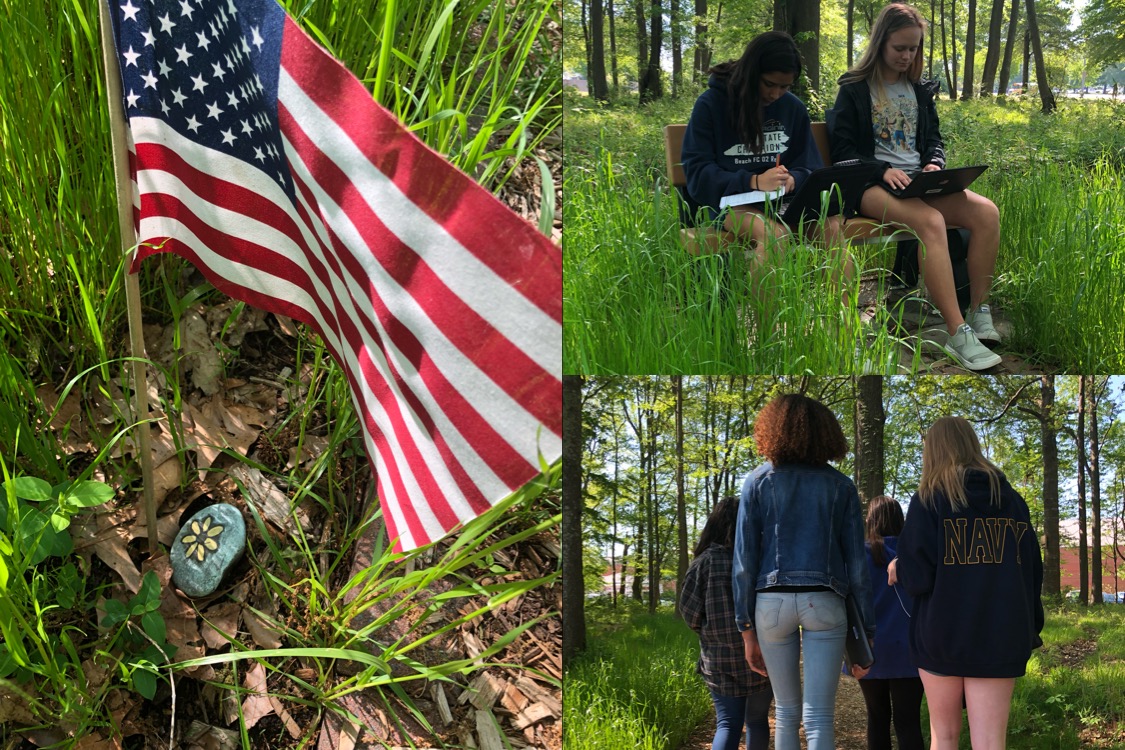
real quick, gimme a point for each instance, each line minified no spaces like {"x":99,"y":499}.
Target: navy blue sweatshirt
{"x":893,"y":608}
{"x":717,"y":162}
{"x":976,"y":577}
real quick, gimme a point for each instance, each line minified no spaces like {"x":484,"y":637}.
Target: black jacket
{"x":851,"y":132}
{"x":975,"y":576}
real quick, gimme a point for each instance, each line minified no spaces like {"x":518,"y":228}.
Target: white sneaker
{"x":965,"y":347}
{"x":980,"y":320}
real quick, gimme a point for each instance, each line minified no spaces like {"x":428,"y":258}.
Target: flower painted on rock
{"x":202,"y":539}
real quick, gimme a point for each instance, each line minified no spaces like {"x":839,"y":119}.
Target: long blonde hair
{"x":891,"y":18}
{"x":951,"y":447}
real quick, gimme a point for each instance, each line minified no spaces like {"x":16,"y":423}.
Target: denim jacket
{"x":799,"y":525}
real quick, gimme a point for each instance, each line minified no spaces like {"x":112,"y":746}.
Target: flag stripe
{"x":505,"y":364}
{"x":417,"y":171}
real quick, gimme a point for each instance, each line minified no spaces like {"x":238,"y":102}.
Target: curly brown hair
{"x":796,"y":429}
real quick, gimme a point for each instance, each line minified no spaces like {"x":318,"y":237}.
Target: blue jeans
{"x":731,"y":714}
{"x":822,"y":620}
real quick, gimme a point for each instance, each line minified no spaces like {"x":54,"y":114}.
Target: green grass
{"x":636,"y":686}
{"x":477,"y":81}
{"x":636,"y":302}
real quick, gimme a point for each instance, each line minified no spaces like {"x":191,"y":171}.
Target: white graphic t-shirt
{"x":895,"y":121}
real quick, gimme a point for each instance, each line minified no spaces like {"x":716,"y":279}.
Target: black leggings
{"x":906,"y":697}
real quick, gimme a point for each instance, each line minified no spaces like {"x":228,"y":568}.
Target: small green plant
{"x":145,"y":646}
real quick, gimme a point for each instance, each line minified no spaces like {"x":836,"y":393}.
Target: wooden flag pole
{"x":132,"y":284}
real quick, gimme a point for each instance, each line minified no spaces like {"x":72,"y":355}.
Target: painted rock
{"x":208,"y":544}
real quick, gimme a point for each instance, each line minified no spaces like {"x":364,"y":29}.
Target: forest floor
{"x":850,"y":724}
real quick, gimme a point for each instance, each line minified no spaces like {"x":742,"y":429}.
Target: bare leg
{"x":981,"y":217}
{"x":933,"y":246}
{"x":837,"y":245}
{"x":943,"y":696}
{"x":989,"y":701}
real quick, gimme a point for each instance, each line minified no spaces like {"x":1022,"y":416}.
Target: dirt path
{"x":851,"y":722}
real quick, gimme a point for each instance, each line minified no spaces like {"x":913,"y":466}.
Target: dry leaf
{"x":220,"y":619}
{"x":200,"y":736}
{"x":271,"y":502}
{"x":257,"y":704}
{"x":109,"y":540}
{"x":264,"y":635}
{"x":199,"y":354}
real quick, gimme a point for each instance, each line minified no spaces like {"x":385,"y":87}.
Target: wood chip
{"x":484,"y":690}
{"x":489,"y":732}
{"x":534,"y":713}
{"x":437,"y":690}
{"x":291,"y":726}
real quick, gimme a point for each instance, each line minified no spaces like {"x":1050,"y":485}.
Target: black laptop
{"x":938,"y":182}
{"x":842,"y":183}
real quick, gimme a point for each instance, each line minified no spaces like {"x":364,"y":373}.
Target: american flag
{"x":262,"y":160}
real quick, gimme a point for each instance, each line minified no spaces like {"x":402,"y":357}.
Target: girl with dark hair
{"x":748,"y":132}
{"x":798,"y":552}
{"x":970,"y":557}
{"x":741,"y":697}
{"x":886,"y":116}
{"x":891,"y":689}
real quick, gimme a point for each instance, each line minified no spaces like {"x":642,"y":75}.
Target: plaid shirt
{"x":707,"y":606}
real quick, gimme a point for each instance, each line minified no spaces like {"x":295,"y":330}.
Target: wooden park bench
{"x":707,"y":239}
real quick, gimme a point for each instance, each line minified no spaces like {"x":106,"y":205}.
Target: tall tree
{"x":681,"y":506}
{"x":574,"y":595}
{"x":651,"y":86}
{"x":950,"y":82}
{"x":676,"y":25}
{"x":970,"y":52}
{"x":992,"y":48}
{"x":702,"y":59}
{"x":1080,"y":440}
{"x":613,"y":47}
{"x":869,"y":420}
{"x":1009,"y":45}
{"x":1049,"y":440}
{"x":801,"y":19}
{"x":1046,"y":96}
{"x":599,"y":89}
{"x":1093,"y":393}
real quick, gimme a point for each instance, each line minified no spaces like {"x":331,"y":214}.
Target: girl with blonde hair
{"x":885,"y":115}
{"x":970,"y":558}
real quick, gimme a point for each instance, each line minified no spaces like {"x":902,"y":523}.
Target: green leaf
{"x":153,"y":624}
{"x":60,"y":521}
{"x":31,"y":488}
{"x":144,"y":682}
{"x":88,"y":493}
{"x":148,"y":597}
{"x":115,"y":613}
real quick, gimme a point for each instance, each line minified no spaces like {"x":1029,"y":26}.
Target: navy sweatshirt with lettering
{"x":975,"y":576}
{"x":717,"y":163}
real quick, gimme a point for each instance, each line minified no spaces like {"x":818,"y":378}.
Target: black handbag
{"x":857,"y":649}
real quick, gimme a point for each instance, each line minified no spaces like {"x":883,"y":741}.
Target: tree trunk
{"x":574,"y":595}
{"x":613,"y":46}
{"x":677,"y":48}
{"x":651,"y":86}
{"x":596,"y":53}
{"x":1095,"y":497}
{"x":642,"y":42}
{"x":801,"y":20}
{"x":970,"y":52}
{"x":1009,"y":45}
{"x":953,"y":43}
{"x":681,"y":507}
{"x":1026,"y":60}
{"x":1049,"y":438}
{"x":1046,"y":96}
{"x":870,"y":420}
{"x":992,"y":50}
{"x":1083,"y":560}
{"x":945,"y":55}
{"x":932,"y":35}
{"x":585,"y":37}
{"x":702,"y":58}
{"x":616,"y":489}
